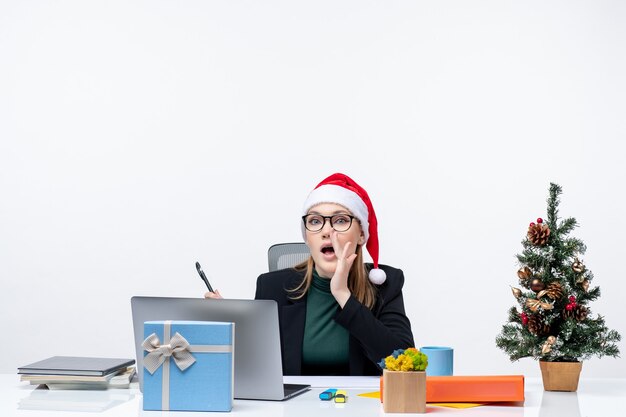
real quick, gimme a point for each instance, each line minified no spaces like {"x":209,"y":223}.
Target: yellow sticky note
{"x":375,"y":394}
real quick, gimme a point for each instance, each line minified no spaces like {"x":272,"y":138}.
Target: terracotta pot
{"x":404,"y":392}
{"x":560,"y":376}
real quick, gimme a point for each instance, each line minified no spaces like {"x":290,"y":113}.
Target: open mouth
{"x":328,"y":250}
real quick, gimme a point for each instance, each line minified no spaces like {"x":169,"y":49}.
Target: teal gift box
{"x":188,"y":365}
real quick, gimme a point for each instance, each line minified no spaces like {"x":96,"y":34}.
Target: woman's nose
{"x":326,"y":229}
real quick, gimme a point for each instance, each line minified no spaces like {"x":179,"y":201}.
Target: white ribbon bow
{"x":178,"y":349}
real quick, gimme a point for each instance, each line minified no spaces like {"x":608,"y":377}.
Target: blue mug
{"x":440,"y":360}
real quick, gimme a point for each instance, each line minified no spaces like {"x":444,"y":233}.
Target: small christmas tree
{"x":555,"y":322}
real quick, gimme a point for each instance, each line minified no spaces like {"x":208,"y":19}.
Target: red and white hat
{"x":341,"y":189}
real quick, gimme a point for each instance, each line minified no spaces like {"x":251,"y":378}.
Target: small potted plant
{"x":553,"y":321}
{"x":404,"y":381}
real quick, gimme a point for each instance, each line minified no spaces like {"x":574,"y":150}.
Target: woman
{"x":333,"y":319}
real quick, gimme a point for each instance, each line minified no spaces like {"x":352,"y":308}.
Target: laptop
{"x":258,"y":362}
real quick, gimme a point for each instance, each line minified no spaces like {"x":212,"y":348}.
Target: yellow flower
{"x":391,"y":363}
{"x":406,"y":363}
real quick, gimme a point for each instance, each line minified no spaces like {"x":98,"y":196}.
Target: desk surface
{"x":595,"y":397}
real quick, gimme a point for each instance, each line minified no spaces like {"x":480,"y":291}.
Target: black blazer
{"x":374,"y":333}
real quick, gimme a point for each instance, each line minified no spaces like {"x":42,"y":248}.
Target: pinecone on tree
{"x":554,"y":290}
{"x":579,"y":313}
{"x":538,"y":234}
{"x":537,"y":326}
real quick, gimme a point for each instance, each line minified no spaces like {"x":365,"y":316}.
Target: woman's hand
{"x":214,"y":295}
{"x":345,"y":257}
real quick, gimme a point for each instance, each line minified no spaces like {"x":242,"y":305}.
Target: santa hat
{"x":341,"y":189}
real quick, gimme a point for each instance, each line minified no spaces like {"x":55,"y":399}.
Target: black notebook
{"x":75,"y":365}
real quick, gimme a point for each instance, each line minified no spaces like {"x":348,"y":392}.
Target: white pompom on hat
{"x":341,"y":189}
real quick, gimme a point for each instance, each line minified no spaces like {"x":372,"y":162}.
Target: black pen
{"x":201,"y":272}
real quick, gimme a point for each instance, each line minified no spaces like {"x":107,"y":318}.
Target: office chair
{"x":286,"y":255}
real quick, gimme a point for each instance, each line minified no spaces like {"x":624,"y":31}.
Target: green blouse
{"x":325,"y":344}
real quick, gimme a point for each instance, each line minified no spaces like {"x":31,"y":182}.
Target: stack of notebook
{"x":72,"y":372}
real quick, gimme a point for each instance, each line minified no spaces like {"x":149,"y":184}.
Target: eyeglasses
{"x":316,"y":222}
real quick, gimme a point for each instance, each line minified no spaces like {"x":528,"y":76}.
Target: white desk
{"x":595,"y":398}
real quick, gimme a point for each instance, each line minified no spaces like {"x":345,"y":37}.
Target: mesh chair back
{"x":287,"y":255}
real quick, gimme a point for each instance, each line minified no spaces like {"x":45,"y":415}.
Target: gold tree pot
{"x":560,"y":376}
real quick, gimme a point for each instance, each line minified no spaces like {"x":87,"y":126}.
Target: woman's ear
{"x":362,"y":239}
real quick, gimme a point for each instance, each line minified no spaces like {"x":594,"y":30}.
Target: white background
{"x":138,"y":137}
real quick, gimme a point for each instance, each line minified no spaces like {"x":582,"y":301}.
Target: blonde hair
{"x":358,"y":282}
